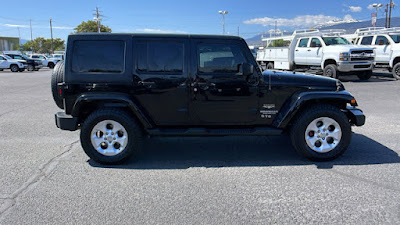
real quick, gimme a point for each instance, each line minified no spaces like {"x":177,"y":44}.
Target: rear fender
{"x":110,"y":100}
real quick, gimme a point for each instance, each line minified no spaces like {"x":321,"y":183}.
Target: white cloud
{"x":150,"y":30}
{"x":370,"y":7}
{"x":39,"y":27}
{"x":298,"y":21}
{"x":348,"y":18}
{"x":15,"y":25}
{"x":355,"y":8}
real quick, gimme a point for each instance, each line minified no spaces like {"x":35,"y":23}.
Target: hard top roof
{"x":156,"y":35}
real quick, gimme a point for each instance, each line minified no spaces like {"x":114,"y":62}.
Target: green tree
{"x":42,"y":45}
{"x":91,"y":26}
{"x":279,"y":43}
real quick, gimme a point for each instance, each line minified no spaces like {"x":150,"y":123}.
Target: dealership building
{"x":9,"y":44}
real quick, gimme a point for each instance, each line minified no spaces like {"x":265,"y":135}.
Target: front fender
{"x":298,"y":100}
{"x":111,"y":100}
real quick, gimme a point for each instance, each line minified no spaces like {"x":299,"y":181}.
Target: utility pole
{"x":98,"y":19}
{"x":51,"y":31}
{"x":238,"y":31}
{"x":390,"y":12}
{"x":30,"y":23}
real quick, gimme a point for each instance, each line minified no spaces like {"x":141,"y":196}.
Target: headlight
{"x":344,"y":56}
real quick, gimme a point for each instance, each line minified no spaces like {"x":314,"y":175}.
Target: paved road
{"x":47,"y":179}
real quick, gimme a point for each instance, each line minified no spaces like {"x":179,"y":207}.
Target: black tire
{"x":14,"y":68}
{"x":50,"y":65}
{"x":396,"y":71}
{"x":365,"y":75}
{"x":30,"y":67}
{"x":270,"y":66}
{"x":1,"y":69}
{"x":304,"y":118}
{"x":134,"y":133}
{"x":57,"y":76}
{"x":330,"y":70}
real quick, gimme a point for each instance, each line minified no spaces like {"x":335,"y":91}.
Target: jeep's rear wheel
{"x":321,"y":133}
{"x":110,"y":136}
{"x":57,"y":76}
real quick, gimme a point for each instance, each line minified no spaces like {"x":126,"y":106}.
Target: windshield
{"x":335,"y":41}
{"x":7,"y":57}
{"x":25,"y":57}
{"x":396,"y":38}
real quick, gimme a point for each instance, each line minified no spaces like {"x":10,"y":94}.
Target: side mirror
{"x":247,"y":69}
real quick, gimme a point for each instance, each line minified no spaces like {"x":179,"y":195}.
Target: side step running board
{"x":214,"y":132}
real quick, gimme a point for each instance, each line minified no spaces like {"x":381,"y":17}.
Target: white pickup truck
{"x":7,"y":62}
{"x":385,"y":42}
{"x":316,"y":49}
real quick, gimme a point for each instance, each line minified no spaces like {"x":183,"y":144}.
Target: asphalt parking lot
{"x":47,"y":179}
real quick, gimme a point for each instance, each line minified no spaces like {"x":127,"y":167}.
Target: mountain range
{"x":349,"y":26}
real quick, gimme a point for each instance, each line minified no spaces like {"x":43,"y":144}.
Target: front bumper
{"x":66,"y":122}
{"x":355,"y":115}
{"x":355,"y":66}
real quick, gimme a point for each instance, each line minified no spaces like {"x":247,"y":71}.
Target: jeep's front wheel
{"x":110,"y":136}
{"x":321,"y":133}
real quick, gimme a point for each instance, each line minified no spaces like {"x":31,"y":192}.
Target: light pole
{"x":223,"y":19}
{"x":376,"y":6}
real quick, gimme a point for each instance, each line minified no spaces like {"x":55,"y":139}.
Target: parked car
{"x":385,"y":42}
{"x":7,"y":62}
{"x":58,"y":56}
{"x":46,"y":61}
{"x":31,"y":64}
{"x":317,"y":49}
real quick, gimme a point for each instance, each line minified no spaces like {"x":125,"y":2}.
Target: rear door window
{"x":381,"y":40}
{"x":303,"y":43}
{"x":98,"y":57}
{"x":367,"y":40}
{"x":161,"y":57}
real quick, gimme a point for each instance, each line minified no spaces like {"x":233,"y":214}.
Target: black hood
{"x":312,"y":82}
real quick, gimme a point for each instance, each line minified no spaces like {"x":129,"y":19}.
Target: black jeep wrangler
{"x":121,"y":88}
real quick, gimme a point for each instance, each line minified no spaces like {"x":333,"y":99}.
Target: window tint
{"x":381,"y":40}
{"x":17,"y":57}
{"x":303,"y":42}
{"x":219,"y":58}
{"x":35,"y":57}
{"x":366,"y":40}
{"x":160,"y":57}
{"x":98,"y":56}
{"x":315,"y":43}
{"x":2,"y":58}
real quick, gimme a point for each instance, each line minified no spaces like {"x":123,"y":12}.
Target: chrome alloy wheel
{"x":109,"y":137}
{"x":323,"y":134}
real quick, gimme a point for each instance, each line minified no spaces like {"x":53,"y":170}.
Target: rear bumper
{"x":355,"y":66}
{"x":356,"y":116}
{"x":66,"y":122}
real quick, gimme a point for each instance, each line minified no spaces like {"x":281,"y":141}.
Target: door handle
{"x":297,"y":50}
{"x":309,"y":50}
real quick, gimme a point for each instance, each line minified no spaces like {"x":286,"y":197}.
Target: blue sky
{"x":177,"y":16}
